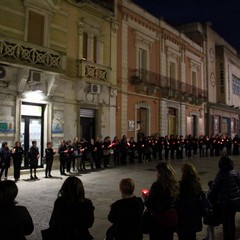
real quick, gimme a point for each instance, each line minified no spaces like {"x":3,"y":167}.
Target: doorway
{"x":171,"y":121}
{"x":31,"y":129}
{"x":87,"y":124}
{"x":142,"y":121}
{"x":194,"y":125}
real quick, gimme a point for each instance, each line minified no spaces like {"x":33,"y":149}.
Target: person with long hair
{"x":73,"y":214}
{"x":161,"y":202}
{"x":15,"y":221}
{"x":189,"y":211}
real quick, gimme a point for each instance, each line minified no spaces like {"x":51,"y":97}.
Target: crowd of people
{"x":74,"y":155}
{"x":99,"y":153}
{"x":173,"y":207}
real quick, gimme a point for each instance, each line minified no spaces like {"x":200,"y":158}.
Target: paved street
{"x":102,"y":188}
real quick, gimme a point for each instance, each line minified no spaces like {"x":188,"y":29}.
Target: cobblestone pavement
{"x":102,"y":188}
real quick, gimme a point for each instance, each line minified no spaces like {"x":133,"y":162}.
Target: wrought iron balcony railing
{"x":25,"y":53}
{"x":168,"y":87}
{"x":93,"y":71}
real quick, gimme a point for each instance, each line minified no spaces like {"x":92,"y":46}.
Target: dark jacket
{"x":18,"y":154}
{"x":33,"y":156}
{"x":188,"y":207}
{"x":126,"y":216}
{"x":72,"y":220}
{"x":15,"y":223}
{"x":5,"y":157}
{"x":158,"y":200}
{"x":49,"y":154}
{"x":225,"y":188}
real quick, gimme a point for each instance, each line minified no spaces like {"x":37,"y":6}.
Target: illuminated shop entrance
{"x":32,"y":129}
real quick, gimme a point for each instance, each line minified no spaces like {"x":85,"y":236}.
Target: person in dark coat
{"x":126,"y":214}
{"x":161,"y":202}
{"x":49,"y":153}
{"x":33,"y":157}
{"x":5,"y":159}
{"x":73,"y":214}
{"x":99,"y":152}
{"x":17,"y":156}
{"x":15,"y":221}
{"x":63,"y":152}
{"x":188,"y":206}
{"x":225,"y":189}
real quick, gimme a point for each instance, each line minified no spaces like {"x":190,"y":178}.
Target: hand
{"x":145,"y":193}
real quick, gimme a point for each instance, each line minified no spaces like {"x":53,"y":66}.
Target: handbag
{"x":205,"y":205}
{"x":146,"y":221}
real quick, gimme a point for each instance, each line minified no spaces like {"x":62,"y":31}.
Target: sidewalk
{"x":102,"y":188}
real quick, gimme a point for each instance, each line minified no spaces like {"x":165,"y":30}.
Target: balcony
{"x":104,"y":8}
{"x":92,"y":71}
{"x":168,"y":87}
{"x":31,"y":55}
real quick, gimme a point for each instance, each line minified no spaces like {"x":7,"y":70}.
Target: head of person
{"x":4,"y":144}
{"x":190,"y":180}
{"x":49,"y":144}
{"x":126,"y":187}
{"x":34,"y":143}
{"x":17,"y":144}
{"x":225,"y":163}
{"x":189,"y":173}
{"x":72,"y":190}
{"x":9,"y":191}
{"x":166,"y":177}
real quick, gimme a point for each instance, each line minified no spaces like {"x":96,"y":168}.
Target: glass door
{"x":32,"y":129}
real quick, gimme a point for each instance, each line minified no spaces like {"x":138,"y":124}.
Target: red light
{"x":145,"y":192}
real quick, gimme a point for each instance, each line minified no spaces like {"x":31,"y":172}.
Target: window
{"x":172,"y":75}
{"x":236,"y":85}
{"x":95,"y":49}
{"x":85,"y":45}
{"x":142,"y":63}
{"x":194,"y":83}
{"x":36,"y":23}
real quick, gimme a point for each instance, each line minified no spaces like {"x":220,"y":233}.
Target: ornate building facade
{"x":161,"y":77}
{"x":57,"y":70}
{"x":223,"y":79}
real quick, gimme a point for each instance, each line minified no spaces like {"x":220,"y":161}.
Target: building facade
{"x":223,"y":79}
{"x":57,"y":70}
{"x":160,"y":74}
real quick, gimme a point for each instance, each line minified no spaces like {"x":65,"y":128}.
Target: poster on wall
{"x":6,"y":120}
{"x":131,"y":125}
{"x":57,"y":122}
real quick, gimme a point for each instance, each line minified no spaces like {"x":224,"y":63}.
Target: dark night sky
{"x":224,"y":14}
